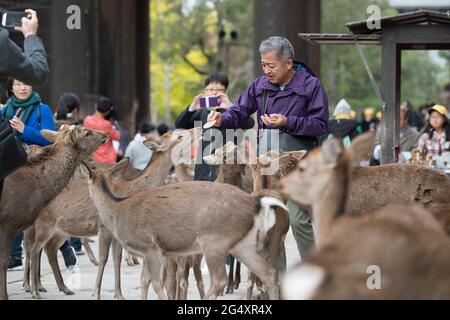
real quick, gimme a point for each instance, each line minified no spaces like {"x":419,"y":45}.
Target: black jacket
{"x":342,"y":128}
{"x":186,"y":120}
{"x":29,"y":66}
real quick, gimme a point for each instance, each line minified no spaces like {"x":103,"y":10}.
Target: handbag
{"x":269,"y":138}
{"x":12,"y":152}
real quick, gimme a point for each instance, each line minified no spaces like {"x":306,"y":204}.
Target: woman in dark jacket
{"x":215,"y":85}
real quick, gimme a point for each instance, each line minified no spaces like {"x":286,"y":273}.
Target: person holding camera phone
{"x":30,"y":65}
{"x":216,"y":86}
{"x":290,"y":99}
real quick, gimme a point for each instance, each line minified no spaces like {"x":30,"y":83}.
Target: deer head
{"x":172,"y":138}
{"x":273,"y":165}
{"x":82,"y":139}
{"x":318,"y":172}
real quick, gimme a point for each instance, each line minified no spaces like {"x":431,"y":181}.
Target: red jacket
{"x":105,"y":153}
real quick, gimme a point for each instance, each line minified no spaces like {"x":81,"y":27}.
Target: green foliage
{"x":184,"y":36}
{"x":343,"y":72}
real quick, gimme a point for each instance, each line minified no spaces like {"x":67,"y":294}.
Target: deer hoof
{"x":42,"y":289}
{"x":36,"y":296}
{"x":68,"y":292}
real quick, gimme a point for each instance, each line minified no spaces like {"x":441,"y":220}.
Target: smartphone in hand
{"x":209,"y":102}
{"x":12,"y":19}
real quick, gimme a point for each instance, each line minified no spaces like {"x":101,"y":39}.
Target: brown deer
{"x":176,"y":272}
{"x":73,"y":213}
{"x":233,"y":169}
{"x":404,"y":243}
{"x":285,"y":162}
{"x":29,"y":189}
{"x":169,"y":220}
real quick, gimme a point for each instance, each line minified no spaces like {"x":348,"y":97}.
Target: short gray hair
{"x":280,"y":45}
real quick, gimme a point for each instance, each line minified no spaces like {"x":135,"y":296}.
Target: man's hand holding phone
{"x":30,"y":24}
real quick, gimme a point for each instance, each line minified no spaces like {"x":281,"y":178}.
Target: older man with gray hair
{"x":289,"y":99}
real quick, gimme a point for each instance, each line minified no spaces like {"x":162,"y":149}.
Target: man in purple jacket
{"x":288,"y":98}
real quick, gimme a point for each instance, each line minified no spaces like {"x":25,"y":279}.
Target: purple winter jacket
{"x":303,"y":101}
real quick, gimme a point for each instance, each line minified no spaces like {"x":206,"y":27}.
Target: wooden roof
{"x":416,"y":17}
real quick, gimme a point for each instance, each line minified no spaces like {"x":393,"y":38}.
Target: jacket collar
{"x":297,"y":85}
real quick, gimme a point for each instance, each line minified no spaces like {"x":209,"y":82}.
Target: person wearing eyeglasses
{"x":216,"y":85}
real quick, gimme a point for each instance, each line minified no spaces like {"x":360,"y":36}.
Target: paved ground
{"x":82,"y":282}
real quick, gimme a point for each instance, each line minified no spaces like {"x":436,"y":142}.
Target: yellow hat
{"x":368,"y":112}
{"x":439,"y":109}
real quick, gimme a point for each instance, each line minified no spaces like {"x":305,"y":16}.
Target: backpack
{"x":12,"y":152}
{"x":346,"y":140}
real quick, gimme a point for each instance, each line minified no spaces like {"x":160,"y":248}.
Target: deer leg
{"x":151,"y":259}
{"x":230,"y":285}
{"x":6,"y":240}
{"x":181,"y":262}
{"x":248,"y":255}
{"x":39,"y":240}
{"x":237,"y":277}
{"x":170,"y":278}
{"x":28,"y":239}
{"x":129,"y":259}
{"x":104,"y":243}
{"x":251,"y":284}
{"x":117,"y":258}
{"x":145,"y":281}
{"x":198,"y":275}
{"x":39,"y":283}
{"x":187,"y":270}
{"x":218,"y":274}
{"x":89,"y":252}
{"x":51,"y":248}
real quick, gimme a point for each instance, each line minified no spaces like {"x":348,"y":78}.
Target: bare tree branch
{"x":193,"y":66}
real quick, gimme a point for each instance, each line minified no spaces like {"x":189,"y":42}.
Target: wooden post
{"x":391,"y":77}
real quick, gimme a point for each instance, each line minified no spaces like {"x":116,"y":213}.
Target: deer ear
{"x":74,"y":134}
{"x":49,"y":135}
{"x":120,"y":167}
{"x":362,"y":146}
{"x":210,"y":160}
{"x":195,"y":133}
{"x":332,"y":151}
{"x":153,"y":144}
{"x":264,"y":160}
{"x":36,"y":154}
{"x":298,"y":155}
{"x":86,"y":171}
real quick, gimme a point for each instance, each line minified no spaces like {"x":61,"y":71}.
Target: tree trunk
{"x":288,"y":18}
